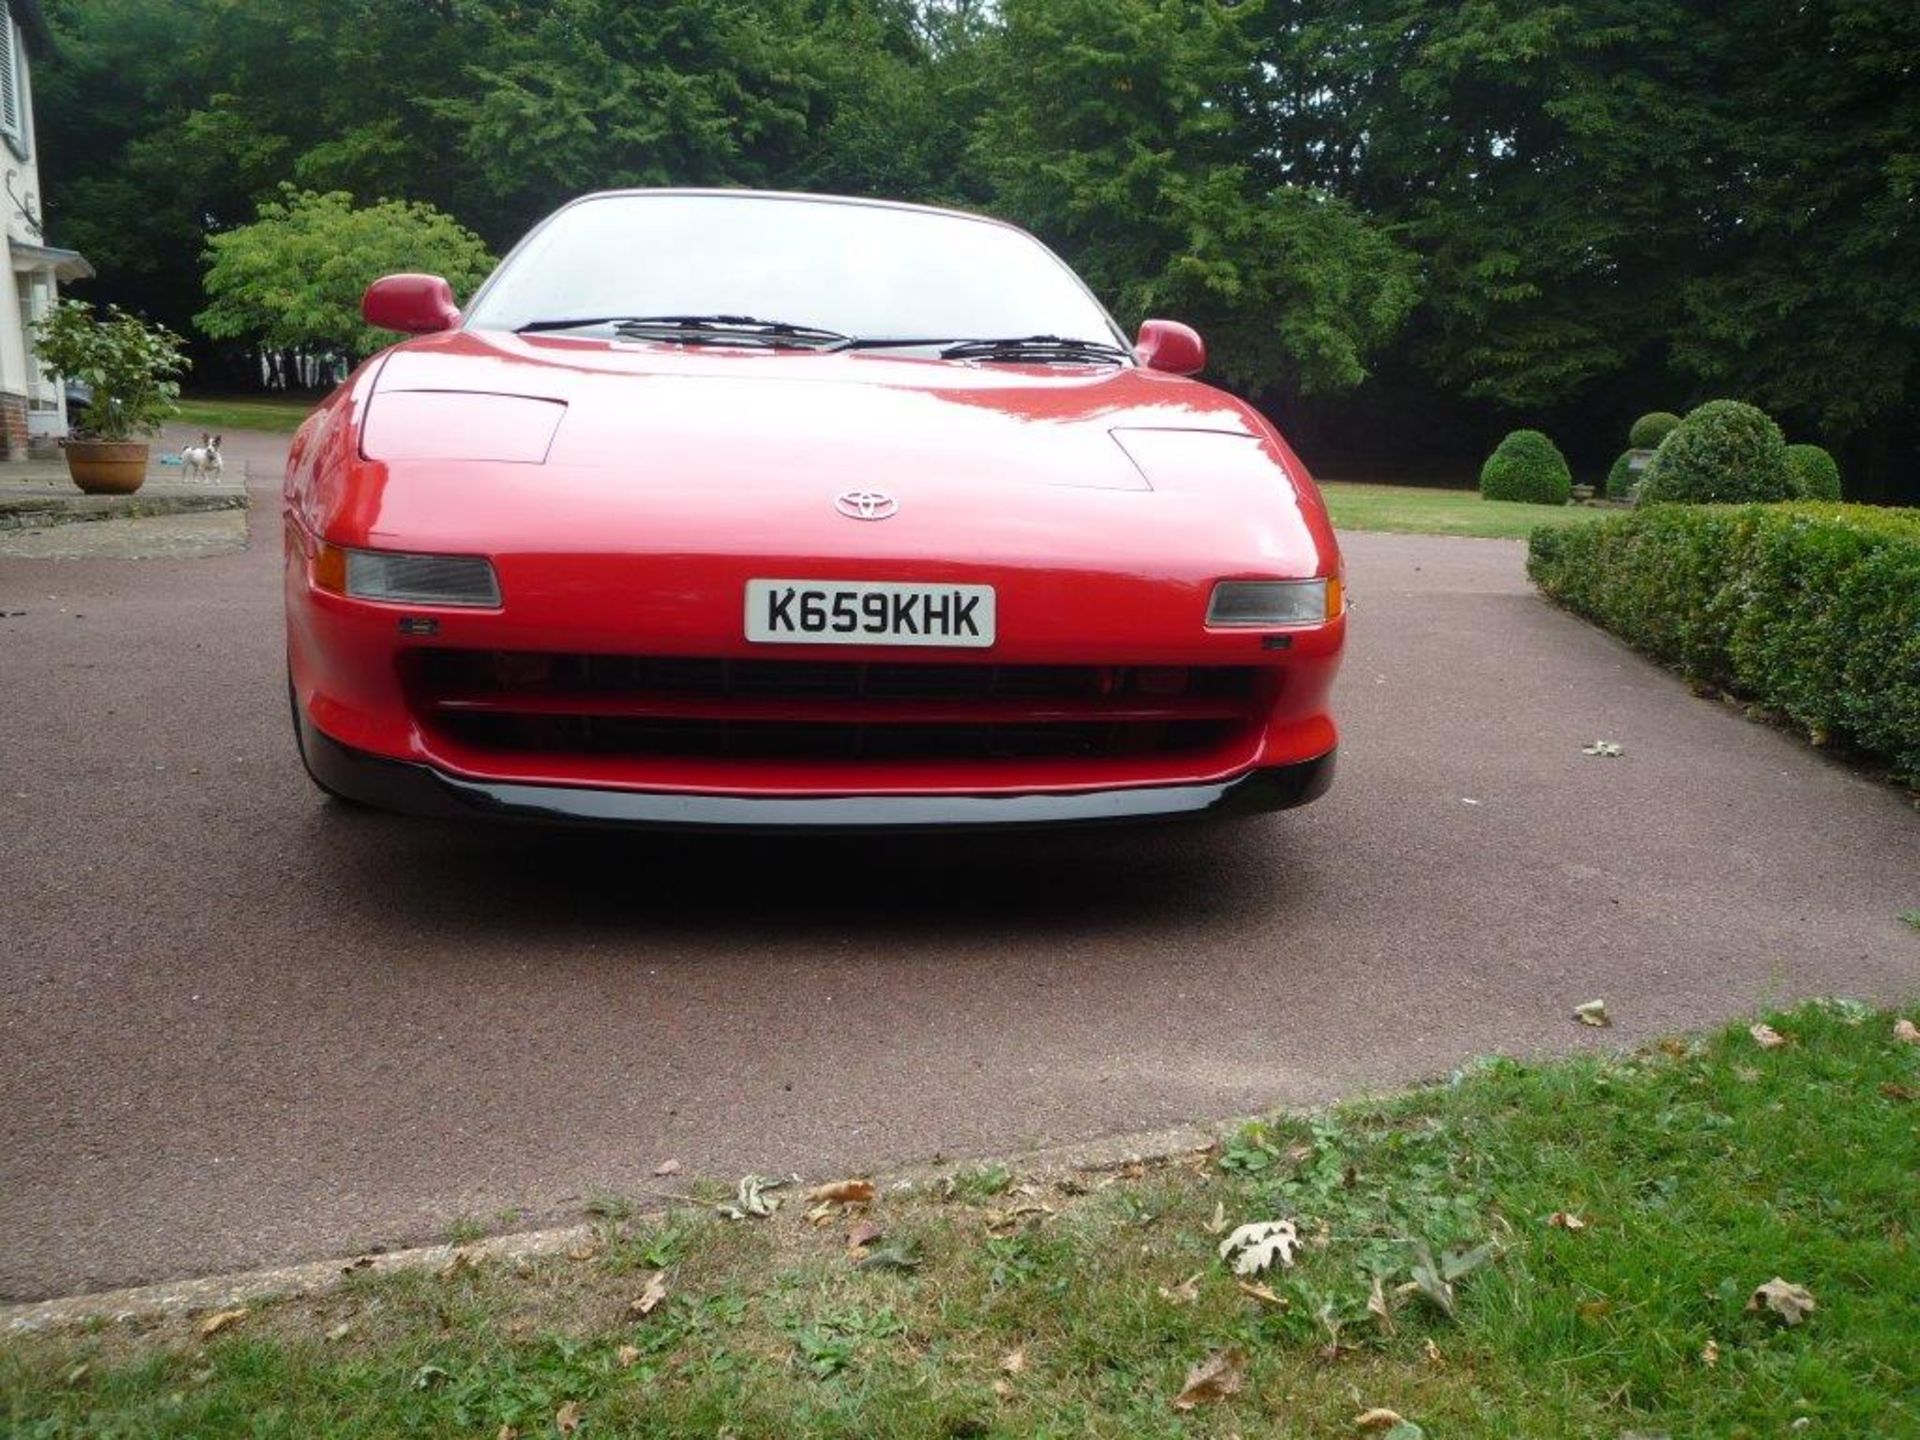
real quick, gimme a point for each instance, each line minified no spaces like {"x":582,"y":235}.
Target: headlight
{"x":406,"y":579}
{"x":1261,"y":603}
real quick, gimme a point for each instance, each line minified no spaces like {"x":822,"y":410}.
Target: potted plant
{"x":133,"y":371}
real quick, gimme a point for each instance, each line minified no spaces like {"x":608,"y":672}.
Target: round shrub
{"x":1527,"y":466}
{"x":1620,"y":479}
{"x":1724,"y":451}
{"x":1816,"y":474}
{"x":1651,"y":428}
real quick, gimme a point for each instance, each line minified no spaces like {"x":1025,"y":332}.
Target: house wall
{"x":22,"y":177}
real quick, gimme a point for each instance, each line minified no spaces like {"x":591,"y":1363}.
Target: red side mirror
{"x":1170,"y":346}
{"x":411,"y":304}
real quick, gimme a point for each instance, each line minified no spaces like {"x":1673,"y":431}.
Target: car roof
{"x":731,"y":193}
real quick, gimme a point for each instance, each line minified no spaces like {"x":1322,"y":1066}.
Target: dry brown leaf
{"x":1378,"y":1307}
{"x":1218,"y":1224}
{"x":1906,"y":1031}
{"x":627,"y":1356}
{"x":1710,"y":1353}
{"x":567,"y":1418}
{"x":1014,"y":1362}
{"x":1378,"y":1418}
{"x":1434,"y":1356}
{"x":1792,"y":1303}
{"x":864,"y":1234}
{"x":1593,"y":1013}
{"x":843,"y":1192}
{"x":652,"y":1295}
{"x":1185,"y":1293}
{"x":1003,"y":1388}
{"x":221,"y":1320}
{"x":1894,"y":1090}
{"x":1261,"y":1292}
{"x":585,"y":1250}
{"x":340,"y":1331}
{"x":667,"y":1167}
{"x":1766,"y":1037}
{"x":1218,"y":1376}
{"x":506,"y":1432}
{"x":1566,"y":1220}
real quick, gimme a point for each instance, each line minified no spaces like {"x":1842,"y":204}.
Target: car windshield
{"x":867,"y":271}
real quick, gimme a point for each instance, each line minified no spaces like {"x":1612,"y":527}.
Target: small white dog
{"x":198,"y":461}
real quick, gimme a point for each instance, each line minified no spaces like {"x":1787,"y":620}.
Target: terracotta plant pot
{"x":107,"y":467}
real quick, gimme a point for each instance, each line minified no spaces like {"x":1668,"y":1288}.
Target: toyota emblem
{"x":866,"y":504}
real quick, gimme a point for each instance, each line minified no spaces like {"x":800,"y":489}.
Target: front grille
{"x":673,"y":707}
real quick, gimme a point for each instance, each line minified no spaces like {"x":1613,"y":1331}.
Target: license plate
{"x":869,"y":612}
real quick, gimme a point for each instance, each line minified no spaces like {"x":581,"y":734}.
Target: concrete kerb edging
{"x":247,"y":1287}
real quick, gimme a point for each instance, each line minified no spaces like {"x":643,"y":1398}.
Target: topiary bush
{"x":1529,"y":467}
{"x":1811,"y":609}
{"x":1651,"y":428}
{"x":1725,"y":450}
{"x":1621,"y":479}
{"x":1815,"y":473}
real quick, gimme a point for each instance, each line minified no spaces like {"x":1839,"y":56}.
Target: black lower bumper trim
{"x":422,"y":790}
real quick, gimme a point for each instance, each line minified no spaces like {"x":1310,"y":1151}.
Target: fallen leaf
{"x":1378,"y":1307}
{"x":78,"y":1372}
{"x":1218,"y":1224}
{"x":1710,"y":1353}
{"x":1607,"y":749}
{"x":585,"y":1250}
{"x":864,"y":1234}
{"x":627,"y":1356}
{"x":652,"y":1295}
{"x":1766,"y":1037}
{"x":567,"y":1418}
{"x":1906,"y":1031}
{"x":1218,"y":1376}
{"x":1014,"y":1362}
{"x":1261,"y":1292}
{"x":1378,"y":1418}
{"x":1594,"y":1309}
{"x":1792,"y":1303}
{"x":843,"y":1192}
{"x":1253,"y":1248}
{"x":667,"y":1167}
{"x":340,"y":1331}
{"x":1593,"y":1013}
{"x":751,"y":1198}
{"x":1894,"y":1090}
{"x":1434,"y":1357}
{"x":1185,"y":1293}
{"x":1003,"y":1389}
{"x":1566,"y":1220}
{"x":888,"y":1257}
{"x":506,"y":1432}
{"x":221,"y":1320}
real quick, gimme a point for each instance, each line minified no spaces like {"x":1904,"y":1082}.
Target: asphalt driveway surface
{"x":241,"y":1026}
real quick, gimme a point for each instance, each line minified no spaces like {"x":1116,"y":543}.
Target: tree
{"x":292,"y":279}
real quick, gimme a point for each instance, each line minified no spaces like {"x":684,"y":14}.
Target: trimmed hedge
{"x":1813,"y":610}
{"x":1724,"y":450}
{"x":1815,"y":473}
{"x":1650,"y":429}
{"x":1528,"y":467}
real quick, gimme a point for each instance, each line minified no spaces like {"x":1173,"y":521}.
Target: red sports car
{"x":787,"y":511}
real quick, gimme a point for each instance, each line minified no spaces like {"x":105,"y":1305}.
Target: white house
{"x":32,"y":407}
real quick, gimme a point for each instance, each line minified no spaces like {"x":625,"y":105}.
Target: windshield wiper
{"x":1033,"y":347}
{"x":694,"y":329}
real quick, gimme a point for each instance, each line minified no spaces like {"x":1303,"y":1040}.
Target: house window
{"x":13,"y":99}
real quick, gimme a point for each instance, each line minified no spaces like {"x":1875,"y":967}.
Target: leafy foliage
{"x":1815,"y":473}
{"x":1621,"y":477}
{"x":1724,"y":451}
{"x":1812,"y":610}
{"x":134,"y":368}
{"x":1529,"y":467}
{"x":294,"y":277}
{"x":1651,"y":428}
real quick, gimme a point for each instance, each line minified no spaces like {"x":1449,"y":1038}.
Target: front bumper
{"x":417,"y":789}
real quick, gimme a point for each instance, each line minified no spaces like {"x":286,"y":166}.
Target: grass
{"x":1074,"y":1305}
{"x":221,"y":414}
{"x":1412,"y":509}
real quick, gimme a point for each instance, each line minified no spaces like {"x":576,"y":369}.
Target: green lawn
{"x":1566,"y":1249}
{"x":1417,"y":510}
{"x":221,"y":414}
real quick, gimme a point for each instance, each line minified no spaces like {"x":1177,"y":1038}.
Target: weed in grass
{"x":1912,"y":917}
{"x":979,"y":1185}
{"x":607,"y":1205}
{"x":464,"y":1230}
